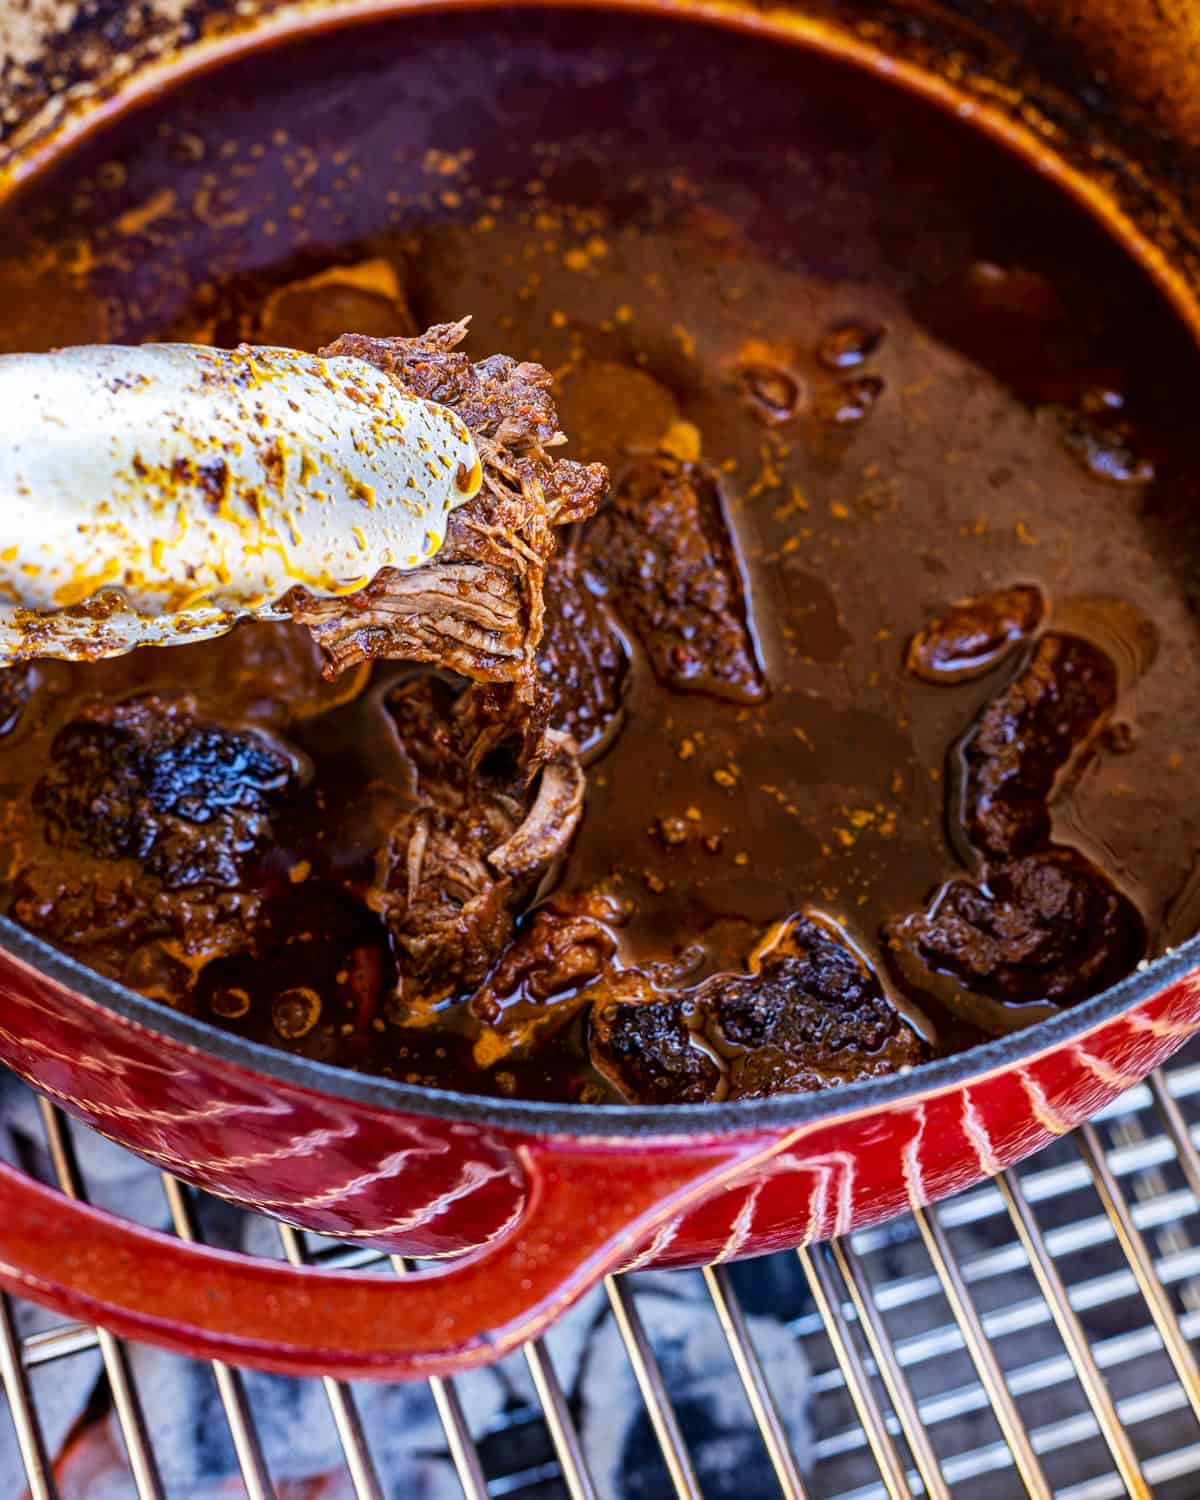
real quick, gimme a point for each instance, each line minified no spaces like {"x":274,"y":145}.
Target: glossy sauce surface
{"x":912,"y":374}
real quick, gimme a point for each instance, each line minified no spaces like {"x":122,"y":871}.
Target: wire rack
{"x":1033,"y":1336}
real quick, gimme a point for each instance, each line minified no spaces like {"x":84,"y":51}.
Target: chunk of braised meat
{"x":662,"y":550}
{"x":505,"y":403}
{"x":476,"y":607}
{"x":581,"y":660}
{"x":128,"y":926}
{"x":482,"y":831}
{"x":539,"y":983}
{"x":16,"y":688}
{"x":645,"y":1044}
{"x":560,"y":947}
{"x":810,"y":1015}
{"x":1026,"y":736}
{"x":146,"y":779}
{"x":156,"y":818}
{"x":975,"y":635}
{"x":1050,"y":927}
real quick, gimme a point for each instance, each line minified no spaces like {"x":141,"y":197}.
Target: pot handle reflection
{"x":588,"y":1210}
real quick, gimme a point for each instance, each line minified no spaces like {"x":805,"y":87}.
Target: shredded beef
{"x":662,"y":550}
{"x":476,"y":607}
{"x":809,"y":1015}
{"x":498,"y":785}
{"x":482,"y":830}
{"x":499,"y":788}
{"x":975,"y":635}
{"x":1026,"y":736}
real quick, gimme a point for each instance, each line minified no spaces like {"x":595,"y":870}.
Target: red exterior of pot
{"x":542,"y":1211}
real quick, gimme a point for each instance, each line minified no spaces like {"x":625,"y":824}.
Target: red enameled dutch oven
{"x":535,"y":1202}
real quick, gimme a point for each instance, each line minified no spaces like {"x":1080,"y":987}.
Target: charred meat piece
{"x":476,"y":607}
{"x":484,"y":827}
{"x":812,"y":1016}
{"x":975,"y":635}
{"x":643,"y":1042}
{"x":581,"y":661}
{"x":662,"y":550}
{"x":148,"y":780}
{"x":809,"y":1015}
{"x":1026,"y":736}
{"x":1050,"y":927}
{"x":154,"y":820}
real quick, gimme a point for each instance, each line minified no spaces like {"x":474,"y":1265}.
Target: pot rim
{"x":539,"y":1118}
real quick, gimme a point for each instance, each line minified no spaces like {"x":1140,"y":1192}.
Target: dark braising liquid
{"x":912,"y":374}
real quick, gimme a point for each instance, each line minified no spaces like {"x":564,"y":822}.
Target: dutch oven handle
{"x":587,"y":1211}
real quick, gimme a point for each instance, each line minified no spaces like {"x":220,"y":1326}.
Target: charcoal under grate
{"x":1033,"y":1336}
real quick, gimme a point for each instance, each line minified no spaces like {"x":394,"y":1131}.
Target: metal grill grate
{"x":1035,"y":1335}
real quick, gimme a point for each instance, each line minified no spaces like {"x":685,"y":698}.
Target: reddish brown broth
{"x":914,"y":375}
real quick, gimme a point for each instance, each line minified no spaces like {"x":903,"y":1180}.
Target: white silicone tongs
{"x":158,"y":494}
